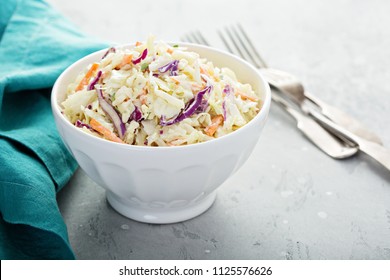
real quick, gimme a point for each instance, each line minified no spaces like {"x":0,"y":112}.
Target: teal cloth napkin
{"x":36,"y":44}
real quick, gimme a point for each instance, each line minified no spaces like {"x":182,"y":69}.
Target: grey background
{"x":289,"y":201}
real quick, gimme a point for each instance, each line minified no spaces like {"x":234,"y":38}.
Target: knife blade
{"x":344,"y":120}
{"x":316,"y":133}
{"x":373,"y":149}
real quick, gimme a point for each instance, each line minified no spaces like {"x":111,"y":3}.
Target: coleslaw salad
{"x":156,"y":94}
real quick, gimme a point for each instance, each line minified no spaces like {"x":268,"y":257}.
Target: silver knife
{"x":291,"y":86}
{"x":344,"y":120}
{"x":316,"y":133}
{"x":374,"y":150}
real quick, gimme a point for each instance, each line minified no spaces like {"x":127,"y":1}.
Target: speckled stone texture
{"x":289,"y":201}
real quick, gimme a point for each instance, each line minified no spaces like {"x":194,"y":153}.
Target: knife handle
{"x":341,"y":118}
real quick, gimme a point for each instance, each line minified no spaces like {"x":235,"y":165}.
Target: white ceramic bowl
{"x":163,"y":184}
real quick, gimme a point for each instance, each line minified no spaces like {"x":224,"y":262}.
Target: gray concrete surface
{"x":289,"y":201}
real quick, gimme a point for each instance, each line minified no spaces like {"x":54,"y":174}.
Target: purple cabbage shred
{"x":171,"y":66}
{"x":202,"y":107}
{"x":136,"y":115}
{"x":141,"y":57}
{"x":81,"y":124}
{"x":112,"y":113}
{"x":224,"y":110}
{"x":228,"y":90}
{"x":189,"y":109}
{"x":110,"y":50}
{"x":91,"y":86}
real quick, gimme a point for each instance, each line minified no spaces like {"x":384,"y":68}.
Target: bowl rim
{"x":264,"y":110}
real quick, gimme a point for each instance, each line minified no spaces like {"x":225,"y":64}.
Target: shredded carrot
{"x":209,"y":73}
{"x":138,"y":43}
{"x":104,"y":131}
{"x":176,"y":81}
{"x":172,"y":143}
{"x":216,"y":78}
{"x":87,"y":76}
{"x":170,"y":51}
{"x":203,"y":71}
{"x":196,"y":87}
{"x":245,"y":96}
{"x":126,"y":60}
{"x":143,"y":96}
{"x":215,"y":123}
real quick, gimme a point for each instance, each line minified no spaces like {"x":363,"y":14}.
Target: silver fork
{"x":311,"y":129}
{"x":348,"y":133}
{"x":290,"y":85}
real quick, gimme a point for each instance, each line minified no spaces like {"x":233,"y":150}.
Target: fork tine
{"x":238,"y":38}
{"x":227,"y":45}
{"x":242,"y":44}
{"x":235,"y":43}
{"x":244,"y":49}
{"x":189,"y":37}
{"x":252,"y":47}
{"x":201,"y":38}
{"x":195,"y":37}
{"x":185,"y":38}
{"x":239,"y":45}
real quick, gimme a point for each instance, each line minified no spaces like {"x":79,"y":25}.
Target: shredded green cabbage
{"x":150,"y":94}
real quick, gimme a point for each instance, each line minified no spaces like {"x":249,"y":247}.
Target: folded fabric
{"x":36,"y":45}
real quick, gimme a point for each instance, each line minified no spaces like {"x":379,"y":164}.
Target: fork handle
{"x":343,"y":119}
